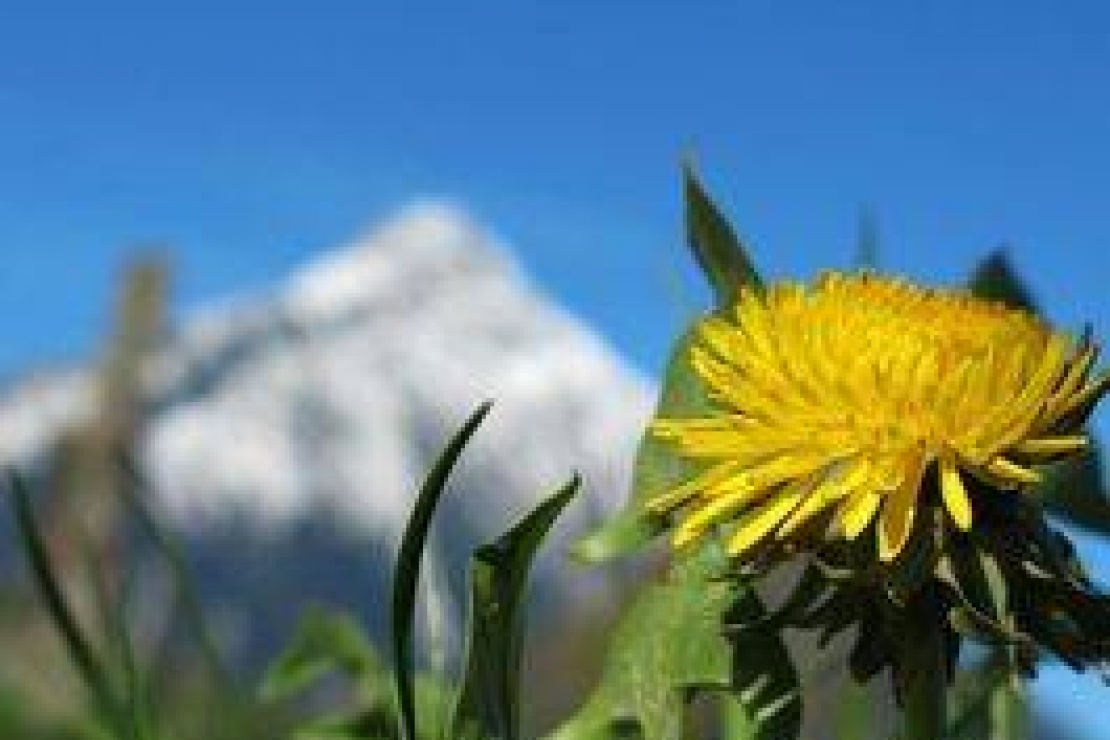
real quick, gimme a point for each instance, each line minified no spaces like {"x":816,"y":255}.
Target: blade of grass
{"x":188,"y":601}
{"x":406,"y":575}
{"x":84,"y":659}
{"x":111,"y":606}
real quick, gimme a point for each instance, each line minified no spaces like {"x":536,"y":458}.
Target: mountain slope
{"x":287,"y":433}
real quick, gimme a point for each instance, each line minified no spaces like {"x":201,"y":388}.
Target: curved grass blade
{"x":720,"y":253}
{"x":487,"y":705}
{"x":88,"y":666}
{"x":406,"y":574}
{"x":135,"y":496}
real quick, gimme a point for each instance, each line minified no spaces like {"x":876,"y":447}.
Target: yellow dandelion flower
{"x":839,"y":398}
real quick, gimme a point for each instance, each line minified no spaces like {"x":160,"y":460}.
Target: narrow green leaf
{"x":719,"y":252}
{"x":867,"y":240}
{"x":487,"y":705}
{"x":406,"y":574}
{"x":136,"y":495}
{"x":88,"y":665}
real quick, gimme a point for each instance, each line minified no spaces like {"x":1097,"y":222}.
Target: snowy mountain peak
{"x":335,"y":392}
{"x":426,"y":243}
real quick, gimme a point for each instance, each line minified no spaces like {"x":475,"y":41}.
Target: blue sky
{"x":250,"y":138}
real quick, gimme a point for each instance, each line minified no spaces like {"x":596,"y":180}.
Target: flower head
{"x":835,"y":402}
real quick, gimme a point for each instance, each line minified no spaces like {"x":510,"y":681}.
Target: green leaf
{"x":407,"y":571}
{"x":137,"y":494}
{"x":671,"y":643}
{"x":488,"y":706}
{"x":728,"y":268}
{"x":995,"y":279}
{"x":372,"y":723}
{"x":657,"y":467}
{"x":720,"y":253}
{"x":325,"y":642}
{"x":1076,"y":488}
{"x":988,"y":703}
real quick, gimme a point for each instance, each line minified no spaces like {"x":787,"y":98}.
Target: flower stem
{"x":926,"y":670}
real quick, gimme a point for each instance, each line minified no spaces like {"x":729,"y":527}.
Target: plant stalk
{"x":924,"y":699}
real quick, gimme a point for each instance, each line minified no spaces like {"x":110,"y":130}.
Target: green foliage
{"x":670,"y":643}
{"x":407,"y":572}
{"x":728,"y":268}
{"x":330,"y":646}
{"x":324,"y":643}
{"x":720,"y":253}
{"x":656,"y":469}
{"x":1074,"y":489}
{"x":488,"y":703}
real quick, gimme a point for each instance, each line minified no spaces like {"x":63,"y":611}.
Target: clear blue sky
{"x":250,"y":138}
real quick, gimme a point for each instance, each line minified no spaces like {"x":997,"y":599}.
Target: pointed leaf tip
{"x":996,"y":279}
{"x":718,"y":250}
{"x":407,"y":570}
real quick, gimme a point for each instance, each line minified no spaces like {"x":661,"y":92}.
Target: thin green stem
{"x":926,"y":677}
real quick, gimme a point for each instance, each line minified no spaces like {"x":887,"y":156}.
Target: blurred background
{"x":279,"y":253}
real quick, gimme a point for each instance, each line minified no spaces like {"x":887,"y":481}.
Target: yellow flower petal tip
{"x":836,"y":397}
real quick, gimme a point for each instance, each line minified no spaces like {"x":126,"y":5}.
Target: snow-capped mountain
{"x":303,"y":420}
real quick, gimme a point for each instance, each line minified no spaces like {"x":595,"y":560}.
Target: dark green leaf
{"x":367,"y":724}
{"x":487,"y":706}
{"x":718,"y":250}
{"x":1075,"y":489}
{"x":407,"y":570}
{"x":996,"y":279}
